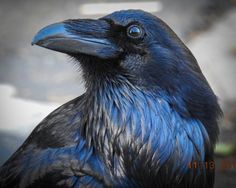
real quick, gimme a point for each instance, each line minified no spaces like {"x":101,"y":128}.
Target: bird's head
{"x":141,"y":48}
{"x":133,"y":43}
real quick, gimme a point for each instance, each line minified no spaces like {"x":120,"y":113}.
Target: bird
{"x":147,"y":118}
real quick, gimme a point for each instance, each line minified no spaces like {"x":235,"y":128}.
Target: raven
{"x":148,"y":117}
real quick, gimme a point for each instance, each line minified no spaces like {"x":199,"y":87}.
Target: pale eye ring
{"x":134,"y":31}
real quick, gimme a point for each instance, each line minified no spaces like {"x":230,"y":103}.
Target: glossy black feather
{"x":147,"y":115}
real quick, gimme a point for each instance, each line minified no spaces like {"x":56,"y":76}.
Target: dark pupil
{"x":134,"y":31}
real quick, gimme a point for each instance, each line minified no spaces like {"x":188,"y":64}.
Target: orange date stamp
{"x":202,"y":165}
{"x":210,"y":165}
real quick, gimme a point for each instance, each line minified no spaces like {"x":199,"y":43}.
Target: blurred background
{"x":34,"y":81}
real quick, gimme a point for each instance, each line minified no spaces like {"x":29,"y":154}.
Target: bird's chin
{"x":92,"y":60}
{"x":85,"y":60}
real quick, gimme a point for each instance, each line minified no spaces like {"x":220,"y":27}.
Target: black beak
{"x":78,"y":37}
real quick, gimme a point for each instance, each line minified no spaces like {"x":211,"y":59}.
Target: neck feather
{"x":126,"y":119}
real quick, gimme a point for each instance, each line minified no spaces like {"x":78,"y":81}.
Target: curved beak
{"x":78,"y":37}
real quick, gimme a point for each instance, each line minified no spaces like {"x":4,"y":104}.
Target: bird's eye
{"x":134,"y":31}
